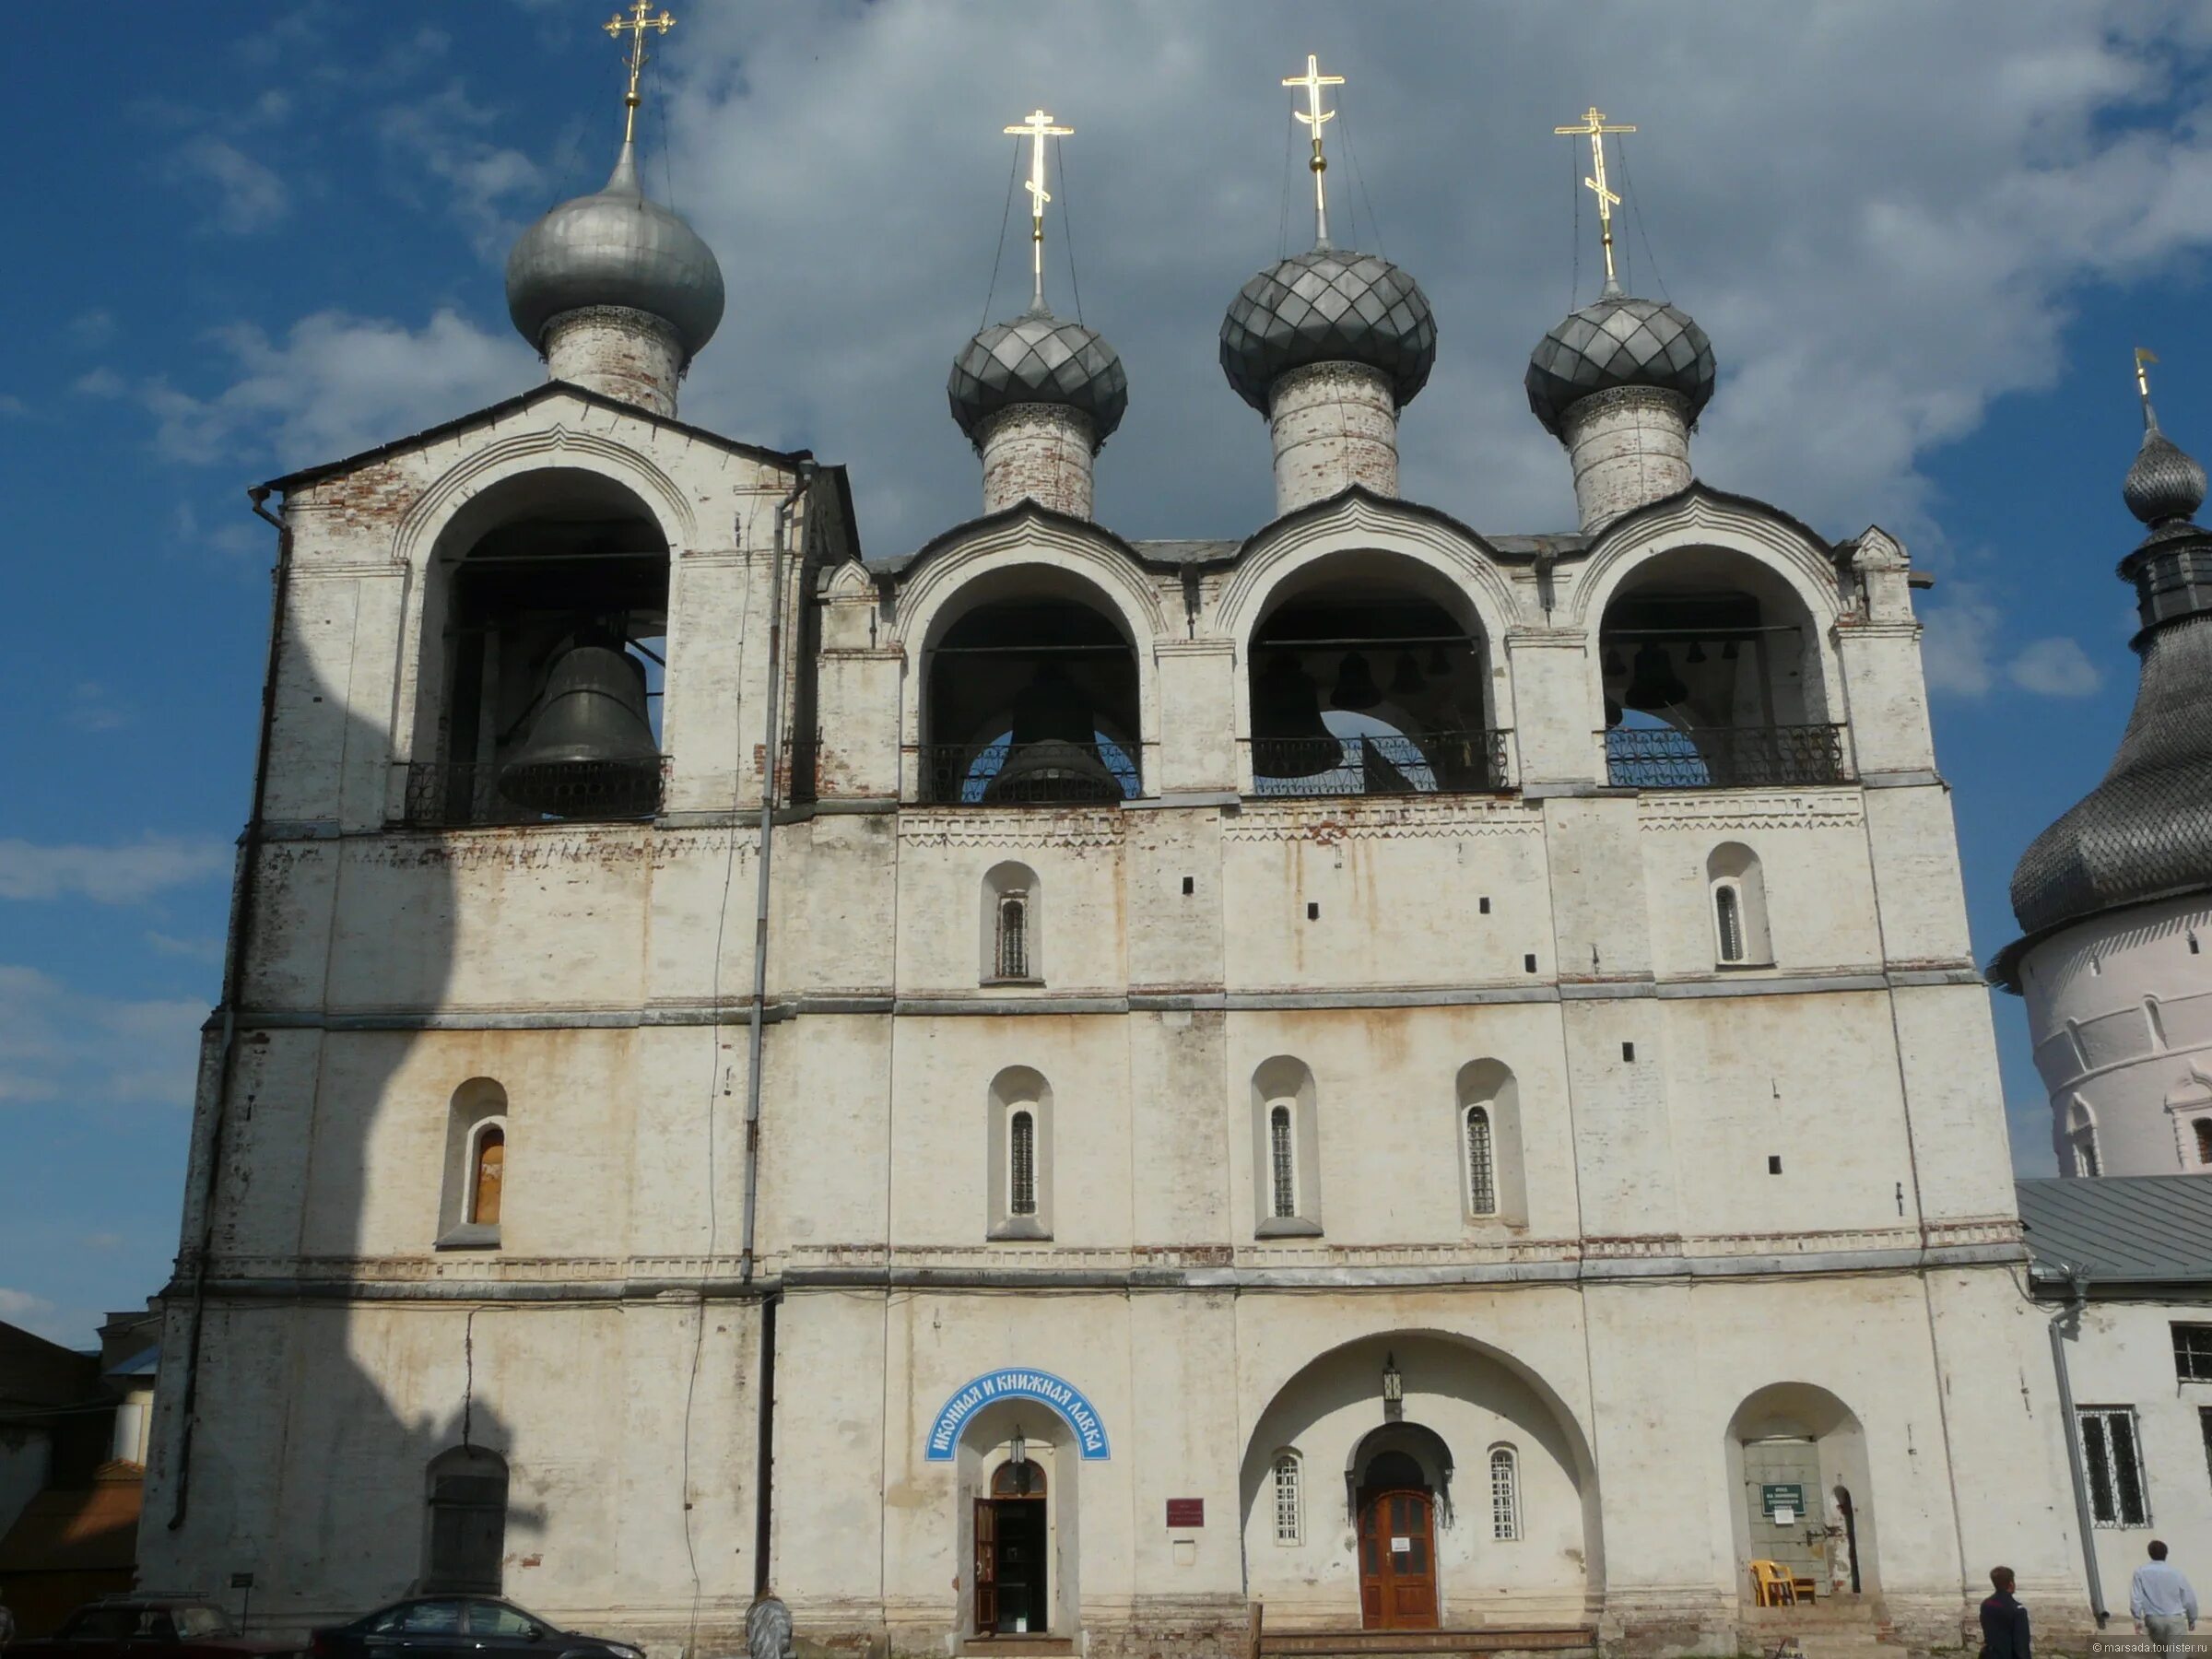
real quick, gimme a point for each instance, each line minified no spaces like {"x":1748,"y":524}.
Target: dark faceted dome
{"x":1329,"y":306}
{"x":2146,"y":831}
{"x":1039,"y":359}
{"x":1618,"y":341}
{"x":615,"y":247}
{"x":2164,"y":484}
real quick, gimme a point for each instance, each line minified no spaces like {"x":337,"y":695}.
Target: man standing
{"x":2162,"y":1602}
{"x":2004,"y":1621}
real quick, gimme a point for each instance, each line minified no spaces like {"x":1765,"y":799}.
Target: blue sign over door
{"x":1018,"y":1382}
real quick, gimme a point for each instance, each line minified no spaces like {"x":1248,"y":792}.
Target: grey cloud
{"x":113,"y":874}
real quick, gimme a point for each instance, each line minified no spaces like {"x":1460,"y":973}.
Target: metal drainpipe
{"x":771,"y":758}
{"x":2080,"y":1285}
{"x":234,"y":974}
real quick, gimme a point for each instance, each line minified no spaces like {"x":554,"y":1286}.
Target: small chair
{"x":1772,"y":1587}
{"x":1801,"y":1590}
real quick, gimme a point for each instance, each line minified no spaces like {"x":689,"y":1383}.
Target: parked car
{"x":459,"y":1627}
{"x":148,"y":1626}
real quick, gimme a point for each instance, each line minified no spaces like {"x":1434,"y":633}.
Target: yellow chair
{"x":1801,"y":1589}
{"x":1773,"y":1587}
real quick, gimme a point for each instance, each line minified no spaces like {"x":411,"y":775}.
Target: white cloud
{"x":198,"y":951}
{"x":249,"y":196}
{"x":113,"y":875}
{"x":93,"y":706}
{"x":14,"y":407}
{"x":1966,"y":655}
{"x":442,"y":137}
{"x":16,"y":1306}
{"x":60,"y":1044}
{"x":91,"y":329}
{"x":2056,"y":667}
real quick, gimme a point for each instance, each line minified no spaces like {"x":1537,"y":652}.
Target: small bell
{"x":1406,"y":677}
{"x":1356,"y":687}
{"x":590,"y":752}
{"x":1728,"y":651}
{"x":1615,"y":667}
{"x":1697,"y":651}
{"x":1655,"y":684}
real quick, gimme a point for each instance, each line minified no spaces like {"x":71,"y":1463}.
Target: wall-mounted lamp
{"x":1393,"y":1385}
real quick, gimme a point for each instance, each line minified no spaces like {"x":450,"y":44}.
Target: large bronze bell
{"x":1655,"y":685}
{"x":1288,"y":737}
{"x":590,"y":752}
{"x":1053,"y":752}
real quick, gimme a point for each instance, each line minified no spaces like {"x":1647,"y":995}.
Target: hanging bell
{"x":1655,"y":685}
{"x":1406,"y":677}
{"x":1728,"y":651}
{"x":590,"y":752}
{"x":1053,"y":752}
{"x":1288,"y":737}
{"x":1696,"y":653}
{"x":1356,"y":687}
{"x":1615,"y":667}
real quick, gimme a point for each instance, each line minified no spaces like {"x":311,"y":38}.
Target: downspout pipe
{"x":771,"y":753}
{"x":243,"y":889}
{"x":2079,"y":1282}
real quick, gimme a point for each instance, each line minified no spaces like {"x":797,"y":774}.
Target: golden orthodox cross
{"x":1039,"y":126}
{"x":1593,"y":123}
{"x":1315,"y":116}
{"x":2144,"y":357}
{"x":640,"y":19}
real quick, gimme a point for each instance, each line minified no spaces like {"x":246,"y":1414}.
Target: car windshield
{"x":199,"y":1624}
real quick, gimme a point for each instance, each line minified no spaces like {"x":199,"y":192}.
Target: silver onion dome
{"x":615,"y":247}
{"x":1039,"y":359}
{"x":1618,"y":341}
{"x":2164,"y":484}
{"x":1331,"y":305}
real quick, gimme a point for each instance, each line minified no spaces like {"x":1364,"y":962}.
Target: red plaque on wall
{"x":1186,"y":1511}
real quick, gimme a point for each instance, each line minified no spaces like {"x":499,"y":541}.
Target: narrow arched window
{"x":1728,"y":920}
{"x":1282,"y":1155}
{"x":1289,"y":1509}
{"x":1482,"y":1164}
{"x":487,"y":1176}
{"x":2085,"y":1152}
{"x":1013,"y":936}
{"x":1021,"y":1164}
{"x":2204,"y":1140}
{"x":1505,"y":1494}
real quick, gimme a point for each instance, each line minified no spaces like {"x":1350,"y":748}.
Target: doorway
{"x":1012,"y":1548}
{"x":1398,"y":1547}
{"x":1782,"y":1498}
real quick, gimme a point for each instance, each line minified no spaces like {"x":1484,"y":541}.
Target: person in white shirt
{"x":2164,"y":1604}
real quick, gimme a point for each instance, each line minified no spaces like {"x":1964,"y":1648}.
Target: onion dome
{"x":1618,"y":341}
{"x":615,"y":248}
{"x":1328,"y":306}
{"x":2164,"y":485}
{"x":1039,"y":359}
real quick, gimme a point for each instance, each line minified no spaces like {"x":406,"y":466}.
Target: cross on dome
{"x":639,"y":19}
{"x":1593,"y":123}
{"x":1315,"y":117}
{"x":1037,"y":126}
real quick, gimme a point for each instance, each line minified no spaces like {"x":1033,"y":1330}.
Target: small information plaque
{"x":1186,"y":1511}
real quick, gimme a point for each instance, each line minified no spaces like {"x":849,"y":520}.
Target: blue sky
{"x":1924,"y":239}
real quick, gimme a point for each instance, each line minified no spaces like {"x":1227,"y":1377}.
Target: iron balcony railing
{"x":1471,"y":762}
{"x":1027,"y":774}
{"x":442,"y":795}
{"x":1725,"y":756}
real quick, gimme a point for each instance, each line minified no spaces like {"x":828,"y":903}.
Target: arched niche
{"x":1286,"y":1149}
{"x":1031,"y":693}
{"x":1012,"y":920}
{"x":538,"y":563}
{"x":1736,"y":891}
{"x":1368,"y":672}
{"x":1489,"y":1087}
{"x":1788,"y":1436}
{"x":1019,"y":1122}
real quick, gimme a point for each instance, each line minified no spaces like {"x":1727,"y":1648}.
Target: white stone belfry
{"x":1629,"y":445}
{"x":1039,"y":451}
{"x":1333,"y":424}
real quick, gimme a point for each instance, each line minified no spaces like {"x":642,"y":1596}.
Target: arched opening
{"x":544,"y":637}
{"x":1738,"y":886}
{"x":465,"y":1540}
{"x":1286,"y":1149}
{"x":1459,"y":1400}
{"x":1492,"y":1185}
{"x":2078,"y":1153}
{"x":1711,"y":669}
{"x":1031,"y":698}
{"x":1013,"y":920}
{"x":1017,"y":1471}
{"x":1797,"y":1460}
{"x":1368,"y":676}
{"x":1019,"y":1122}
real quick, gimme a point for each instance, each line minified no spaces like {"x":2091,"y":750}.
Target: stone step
{"x":1471,"y":1642}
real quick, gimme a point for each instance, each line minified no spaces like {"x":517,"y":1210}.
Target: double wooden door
{"x":1397,"y":1560}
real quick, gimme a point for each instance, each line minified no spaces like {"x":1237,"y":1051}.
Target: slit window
{"x":1482,"y":1164}
{"x":488,"y":1172}
{"x":1013,"y":936}
{"x":1021,"y":1164}
{"x":2111,"y":1459}
{"x":1728,"y":919}
{"x":1282,"y":1153}
{"x":1505,"y":1495}
{"x":1289,"y":1512}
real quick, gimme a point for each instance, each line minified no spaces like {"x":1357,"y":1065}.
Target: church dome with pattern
{"x":1331,"y":305}
{"x":1038,"y":359}
{"x":615,"y":248}
{"x":1618,"y":341}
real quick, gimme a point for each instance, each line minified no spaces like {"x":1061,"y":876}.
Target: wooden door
{"x":986,"y":1566}
{"x":1782,"y":1505}
{"x":1397,"y":1562}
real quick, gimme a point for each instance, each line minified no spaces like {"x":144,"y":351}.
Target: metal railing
{"x":1461,"y":762}
{"x":442,"y":794}
{"x":1725,"y":756}
{"x":1029,"y":774}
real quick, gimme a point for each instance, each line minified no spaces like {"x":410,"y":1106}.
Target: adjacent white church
{"x":1052,"y":1093}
